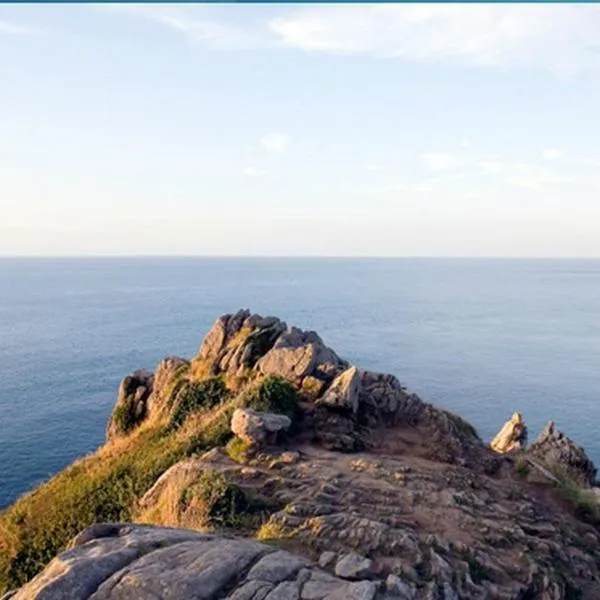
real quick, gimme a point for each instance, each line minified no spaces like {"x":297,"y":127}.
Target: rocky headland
{"x":269,"y":468}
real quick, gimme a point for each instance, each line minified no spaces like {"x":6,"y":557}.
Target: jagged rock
{"x":512,"y":436}
{"x":131,"y":406}
{"x":164,"y":375}
{"x":118,"y":561}
{"x":563,"y":456}
{"x":353,"y":566}
{"x":298,"y":354}
{"x":258,"y":428}
{"x":343,"y":393}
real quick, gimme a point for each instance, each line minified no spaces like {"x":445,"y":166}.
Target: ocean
{"x":480,"y":337}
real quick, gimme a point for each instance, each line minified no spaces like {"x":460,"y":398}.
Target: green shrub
{"x":272,"y":394}
{"x":124,"y":415}
{"x":217,"y":502}
{"x":522,"y":467}
{"x":584,"y":501}
{"x":193,"y":395}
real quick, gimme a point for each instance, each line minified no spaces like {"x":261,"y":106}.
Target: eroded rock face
{"x":512,"y":436}
{"x":132,"y":402}
{"x":258,"y":428}
{"x":119,"y":562}
{"x":348,"y":408}
{"x":563,"y":456}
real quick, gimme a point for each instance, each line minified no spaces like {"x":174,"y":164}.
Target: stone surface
{"x":353,"y":566}
{"x":563,"y":456}
{"x":398,"y":588}
{"x":344,"y":391}
{"x":258,"y":428}
{"x":512,"y":436}
{"x":326,"y":559}
{"x":118,"y":562}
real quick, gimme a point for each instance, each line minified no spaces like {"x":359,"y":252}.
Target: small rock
{"x":353,"y":566}
{"x":359,"y":590}
{"x":289,"y":458}
{"x":257,"y":428}
{"x":326,"y":559}
{"x":398,"y":588}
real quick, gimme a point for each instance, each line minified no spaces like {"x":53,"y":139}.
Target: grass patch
{"x":194,"y":395}
{"x":585,"y":502}
{"x":103,"y":487}
{"x":522,"y":467}
{"x":272,"y":394}
{"x":238,"y":450}
{"x":212,"y":501}
{"x":124,"y":416}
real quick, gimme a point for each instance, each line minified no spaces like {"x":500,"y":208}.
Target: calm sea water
{"x":480,"y":337}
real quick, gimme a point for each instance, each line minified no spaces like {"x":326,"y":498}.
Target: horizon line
{"x":282,"y":256}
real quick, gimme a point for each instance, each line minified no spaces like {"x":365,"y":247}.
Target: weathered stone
{"x":258,"y":428}
{"x":359,"y":590}
{"x":326,"y":559}
{"x":512,"y":436}
{"x":353,"y":566}
{"x":563,"y":456}
{"x":287,"y":590}
{"x":277,"y":567}
{"x":398,"y":588}
{"x":252,"y":590}
{"x":343,"y":393}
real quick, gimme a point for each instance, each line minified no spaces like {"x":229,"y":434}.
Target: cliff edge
{"x":268,"y":467}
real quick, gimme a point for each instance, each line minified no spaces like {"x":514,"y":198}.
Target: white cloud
{"x":373,"y":168}
{"x":275,"y":142}
{"x":552,"y":154}
{"x":198,"y":25}
{"x":526,"y":175}
{"x":8,"y":28}
{"x":252,"y":171}
{"x":560,"y":37}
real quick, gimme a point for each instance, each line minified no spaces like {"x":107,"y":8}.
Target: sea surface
{"x":482,"y":338}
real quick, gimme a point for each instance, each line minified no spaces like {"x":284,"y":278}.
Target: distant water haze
{"x":480,"y":337}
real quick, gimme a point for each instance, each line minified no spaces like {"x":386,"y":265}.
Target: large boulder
{"x":258,"y":428}
{"x":563,"y":456}
{"x":119,"y":561}
{"x":512,"y":436}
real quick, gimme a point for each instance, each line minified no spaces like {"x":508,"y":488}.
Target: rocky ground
{"x":365,"y":491}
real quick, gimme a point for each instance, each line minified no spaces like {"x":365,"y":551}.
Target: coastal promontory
{"x":267,"y":467}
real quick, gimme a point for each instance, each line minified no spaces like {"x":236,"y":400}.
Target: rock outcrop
{"x":563,"y":456}
{"x":512,"y":436}
{"x":124,"y":561}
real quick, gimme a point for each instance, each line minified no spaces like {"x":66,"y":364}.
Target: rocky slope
{"x":355,"y":487}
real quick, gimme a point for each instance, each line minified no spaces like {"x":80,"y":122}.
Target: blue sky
{"x":406,"y":130}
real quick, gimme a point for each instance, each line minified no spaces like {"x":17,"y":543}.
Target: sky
{"x":337,"y":130}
